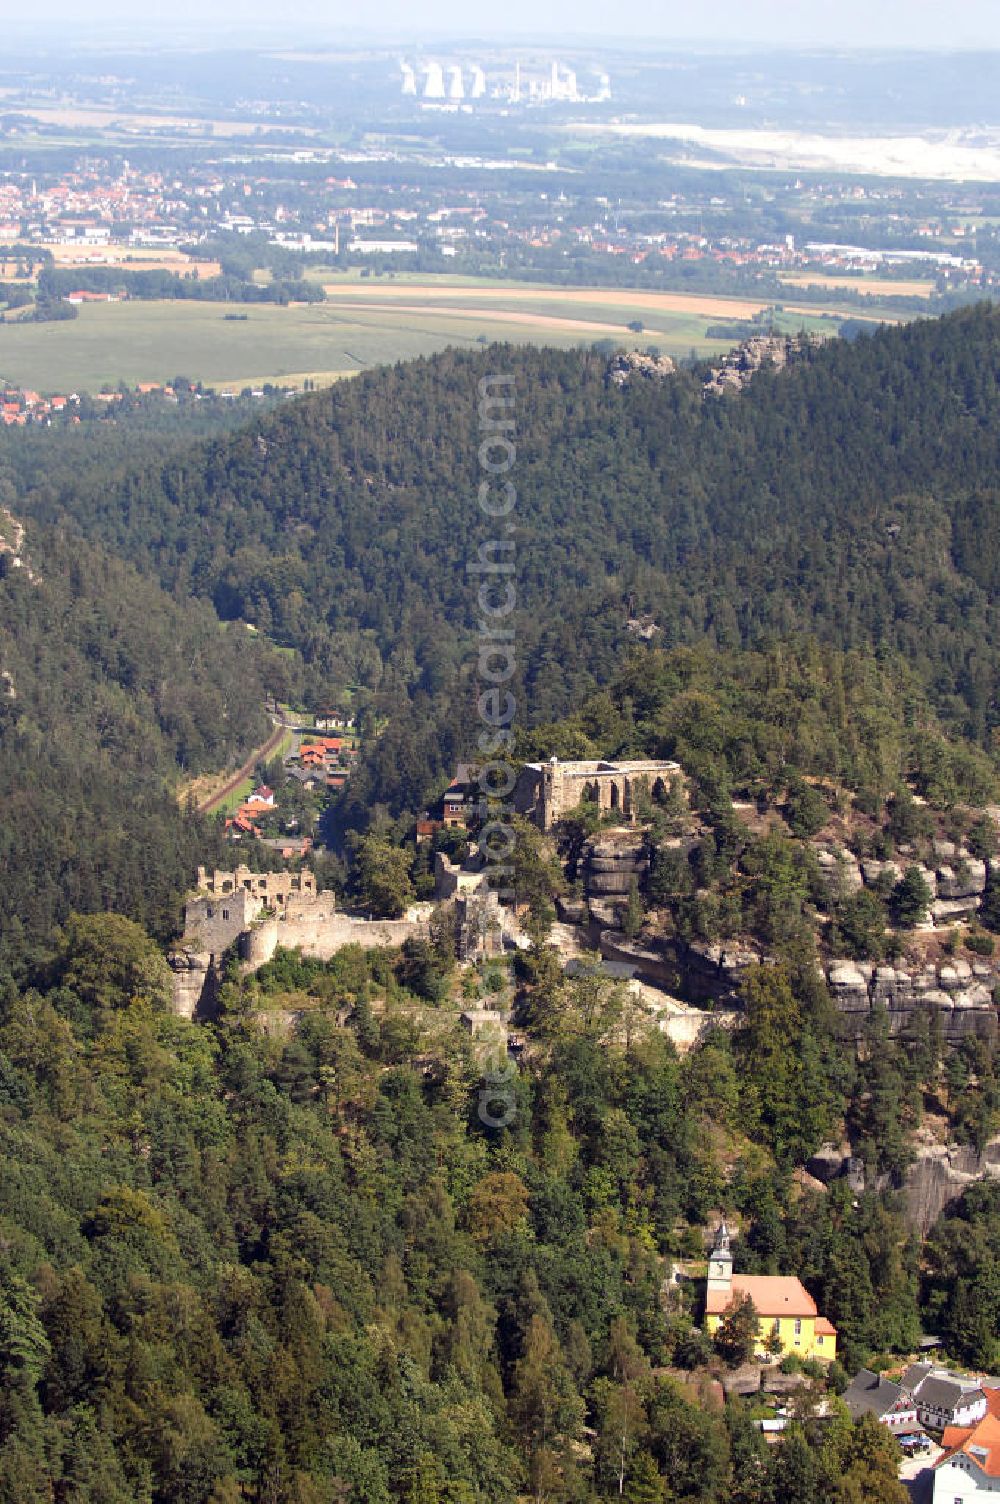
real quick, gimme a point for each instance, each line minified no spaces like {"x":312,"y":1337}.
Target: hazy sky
{"x":813,"y":23}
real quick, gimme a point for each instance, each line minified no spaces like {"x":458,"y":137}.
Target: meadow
{"x":364,"y":322}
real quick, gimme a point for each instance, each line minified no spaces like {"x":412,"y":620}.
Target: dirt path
{"x":262,"y":753}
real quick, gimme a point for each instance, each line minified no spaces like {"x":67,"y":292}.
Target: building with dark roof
{"x":942,"y":1398}
{"x":872,"y":1394}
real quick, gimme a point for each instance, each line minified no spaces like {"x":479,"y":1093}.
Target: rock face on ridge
{"x":610,"y":861}
{"x":740,"y":365}
{"x":940,"y":1172}
{"x":961,"y":994}
{"x":627,"y":365}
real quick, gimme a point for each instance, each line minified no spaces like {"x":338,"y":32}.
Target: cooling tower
{"x":434,"y":81}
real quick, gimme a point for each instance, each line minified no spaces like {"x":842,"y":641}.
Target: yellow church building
{"x":783,"y":1304}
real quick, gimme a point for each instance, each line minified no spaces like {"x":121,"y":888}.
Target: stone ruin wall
{"x":320,"y":933}
{"x":226,"y":911}
{"x":548,"y":791}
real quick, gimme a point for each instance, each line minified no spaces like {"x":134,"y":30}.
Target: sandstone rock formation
{"x":740,"y":365}
{"x":961,"y":994}
{"x":941,"y":1172}
{"x":628,"y":365}
{"x":610,"y":861}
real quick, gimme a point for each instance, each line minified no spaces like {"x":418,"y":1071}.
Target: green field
{"x":366,"y":322}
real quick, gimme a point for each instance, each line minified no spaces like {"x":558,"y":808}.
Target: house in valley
{"x":969,"y":1469}
{"x":943,"y":1398}
{"x":873,"y":1394}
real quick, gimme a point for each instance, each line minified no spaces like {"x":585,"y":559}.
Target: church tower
{"x":720,"y":1263}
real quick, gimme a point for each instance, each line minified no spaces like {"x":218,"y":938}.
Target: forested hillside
{"x":112,"y":692}
{"x":279,"y":1257}
{"x":848,"y":497}
{"x":301,"y":1271}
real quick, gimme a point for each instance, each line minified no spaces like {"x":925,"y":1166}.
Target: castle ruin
{"x":256,"y":913}
{"x":546,"y":791}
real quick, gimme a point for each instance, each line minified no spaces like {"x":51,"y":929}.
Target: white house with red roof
{"x":969,"y":1470}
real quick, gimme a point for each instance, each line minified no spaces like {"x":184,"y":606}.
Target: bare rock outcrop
{"x":740,"y":365}
{"x":839,"y":870}
{"x":195,"y":983}
{"x":961,"y":994}
{"x":942,"y":1172}
{"x":629,"y":365}
{"x":610,"y":862}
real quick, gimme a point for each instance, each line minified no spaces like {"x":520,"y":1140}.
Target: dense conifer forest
{"x":852,"y":499}
{"x":242,"y":1260}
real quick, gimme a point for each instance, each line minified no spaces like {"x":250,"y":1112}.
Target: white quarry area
{"x":955,"y":155}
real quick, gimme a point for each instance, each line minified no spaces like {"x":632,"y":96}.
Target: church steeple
{"x":720,"y":1263}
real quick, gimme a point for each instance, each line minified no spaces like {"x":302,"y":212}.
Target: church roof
{"x":772,"y":1294}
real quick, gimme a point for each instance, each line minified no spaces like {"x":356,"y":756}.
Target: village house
{"x":242,"y":822}
{"x":459,"y":796}
{"x":322,"y":755}
{"x":942,"y":1398}
{"x":83,"y":296}
{"x":873,"y":1394}
{"x":969,"y":1469}
{"x":321,"y":760}
{"x":787,"y":1318}
{"x":261,"y":796}
{"x":307,"y":777}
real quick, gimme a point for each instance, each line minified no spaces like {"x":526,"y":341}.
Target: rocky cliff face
{"x":628,"y":365}
{"x":961,"y":994}
{"x":956,"y":879}
{"x":610,"y":861}
{"x":713,"y":973}
{"x":740,"y":365}
{"x":712,"y":976}
{"x":195,"y":983}
{"x":940,"y":1173}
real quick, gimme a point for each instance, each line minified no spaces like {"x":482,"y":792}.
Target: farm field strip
{"x":872,"y":286}
{"x":363,"y":322}
{"x":216,"y":344}
{"x":535,"y":319}
{"x":708,"y":305}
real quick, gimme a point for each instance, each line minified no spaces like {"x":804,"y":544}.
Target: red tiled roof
{"x":324,"y":744}
{"x":980,"y":1443}
{"x":772,"y":1295}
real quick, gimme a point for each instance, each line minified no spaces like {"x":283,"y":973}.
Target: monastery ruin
{"x":546,"y":791}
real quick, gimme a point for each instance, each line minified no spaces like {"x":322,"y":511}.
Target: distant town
{"x":287,"y":206}
{"x":106,"y":213}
